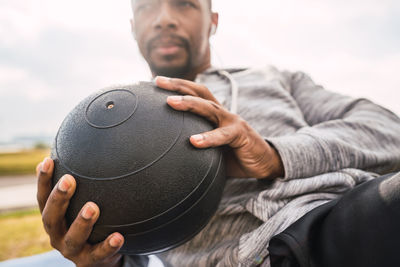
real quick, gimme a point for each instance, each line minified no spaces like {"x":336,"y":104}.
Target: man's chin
{"x":171,"y":71}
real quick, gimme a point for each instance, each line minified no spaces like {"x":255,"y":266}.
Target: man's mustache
{"x":170,"y":39}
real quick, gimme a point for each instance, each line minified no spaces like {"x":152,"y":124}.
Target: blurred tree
{"x":41,"y":145}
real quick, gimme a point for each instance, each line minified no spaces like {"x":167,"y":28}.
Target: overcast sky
{"x":53,"y":53}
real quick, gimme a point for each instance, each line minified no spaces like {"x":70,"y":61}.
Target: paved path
{"x":17,"y":192}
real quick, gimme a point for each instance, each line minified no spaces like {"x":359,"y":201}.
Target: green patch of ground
{"x":23,"y":162}
{"x":22,"y":234}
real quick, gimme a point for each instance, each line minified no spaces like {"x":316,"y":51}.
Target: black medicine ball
{"x":130,"y":154}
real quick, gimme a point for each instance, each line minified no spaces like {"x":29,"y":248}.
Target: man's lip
{"x":167,"y":49}
{"x":166,"y":44}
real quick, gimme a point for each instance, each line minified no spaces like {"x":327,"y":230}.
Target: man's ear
{"x":214,"y":23}
{"x":133,"y":31}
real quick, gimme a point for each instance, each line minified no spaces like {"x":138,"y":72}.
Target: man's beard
{"x":171,"y":71}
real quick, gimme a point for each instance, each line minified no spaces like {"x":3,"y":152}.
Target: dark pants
{"x":361,"y":229}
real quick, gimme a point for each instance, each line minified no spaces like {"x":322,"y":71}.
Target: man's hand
{"x":72,"y":241}
{"x":251,"y":155}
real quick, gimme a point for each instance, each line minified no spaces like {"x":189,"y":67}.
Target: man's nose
{"x":166,"y":19}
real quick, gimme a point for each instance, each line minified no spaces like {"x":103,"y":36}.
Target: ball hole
{"x":110,"y":105}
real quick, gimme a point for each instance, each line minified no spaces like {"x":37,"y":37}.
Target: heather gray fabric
{"x":329,"y":143}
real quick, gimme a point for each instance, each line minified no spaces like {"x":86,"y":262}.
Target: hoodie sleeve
{"x":343,"y":132}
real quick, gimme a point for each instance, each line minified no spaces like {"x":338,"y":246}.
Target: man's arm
{"x":343,"y":132}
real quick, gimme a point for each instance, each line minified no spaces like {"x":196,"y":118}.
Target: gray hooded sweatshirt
{"x":328,"y":143}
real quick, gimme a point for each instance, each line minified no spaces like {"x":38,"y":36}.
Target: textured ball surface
{"x":130,"y":154}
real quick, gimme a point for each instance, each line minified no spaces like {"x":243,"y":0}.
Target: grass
{"x":23,"y":162}
{"x":22,"y":234}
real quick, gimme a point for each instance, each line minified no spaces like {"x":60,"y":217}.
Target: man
{"x":295,"y":147}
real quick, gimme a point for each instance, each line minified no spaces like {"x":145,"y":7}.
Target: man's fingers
{"x":205,"y":108}
{"x":44,"y":172}
{"x":175,"y":85}
{"x":218,"y":137}
{"x":108,"y":248}
{"x":185,"y":87}
{"x":80,"y":229}
{"x":38,"y":168}
{"x":53,"y":215}
{"x":229,"y":125}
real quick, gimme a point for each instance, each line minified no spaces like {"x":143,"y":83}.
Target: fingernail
{"x":162,"y":79}
{"x":64,"y":184}
{"x":115,"y":241}
{"x":45,"y":165}
{"x":175,"y":98}
{"x":88,"y":212}
{"x":198,"y":138}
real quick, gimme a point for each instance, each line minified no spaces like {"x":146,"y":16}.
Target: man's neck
{"x":191,"y":76}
